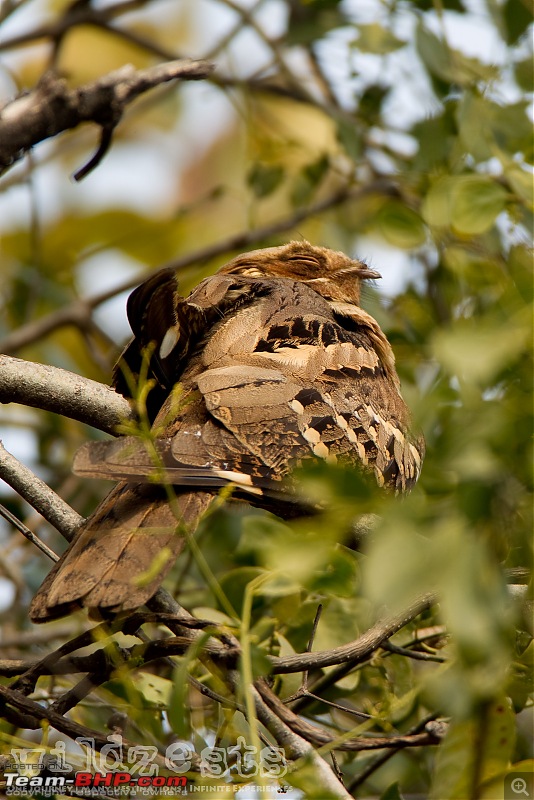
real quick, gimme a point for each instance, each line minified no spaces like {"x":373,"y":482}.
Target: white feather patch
{"x":169,"y":341}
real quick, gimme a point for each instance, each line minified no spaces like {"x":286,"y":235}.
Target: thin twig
{"x":310,"y":644}
{"x":30,"y":535}
{"x":383,"y":758}
{"x":319,"y":737}
{"x":415,"y":654}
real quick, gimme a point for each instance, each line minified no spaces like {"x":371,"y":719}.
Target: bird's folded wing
{"x":309,"y":389}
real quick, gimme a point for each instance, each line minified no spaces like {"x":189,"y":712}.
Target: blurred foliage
{"x":428,"y":149}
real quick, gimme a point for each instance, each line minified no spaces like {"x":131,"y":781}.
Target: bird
{"x":267,"y":363}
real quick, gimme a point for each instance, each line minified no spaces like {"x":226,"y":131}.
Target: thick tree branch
{"x":63,"y":392}
{"x":52,"y":107}
{"x":297,"y":747}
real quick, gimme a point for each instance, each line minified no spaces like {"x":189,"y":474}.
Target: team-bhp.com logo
{"x":105,"y":771}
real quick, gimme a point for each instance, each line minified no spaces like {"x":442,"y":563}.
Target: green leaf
{"x":436,"y":208}
{"x":476,"y":352}
{"x":338,"y":575}
{"x":308,"y":179}
{"x":448,"y":64}
{"x":311,"y":19}
{"x":476,"y":608}
{"x":436,"y":137}
{"x":261,"y":665}
{"x":521,"y":182}
{"x":156,"y":691}
{"x":371,"y":101}
{"x":519,"y":688}
{"x":339,"y":621}
{"x":263,"y":179}
{"x":401,"y":226}
{"x":517,"y":18}
{"x":141,"y":689}
{"x":399,"y":565}
{"x":489,"y":738}
{"x":235,"y":582}
{"x":349,"y":138}
{"x":374,"y":38}
{"x":392,"y":792}
{"x":486,"y":127}
{"x":524,"y":74}
{"x":476,"y":201}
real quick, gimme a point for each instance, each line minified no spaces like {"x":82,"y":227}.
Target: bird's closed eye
{"x":301,"y":259}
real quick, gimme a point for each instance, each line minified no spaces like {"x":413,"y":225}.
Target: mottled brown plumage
{"x":277,"y":363}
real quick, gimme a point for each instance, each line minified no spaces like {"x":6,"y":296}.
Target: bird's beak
{"x":360,"y":271}
{"x":368,"y":274}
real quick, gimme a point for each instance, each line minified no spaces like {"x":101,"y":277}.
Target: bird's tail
{"x":122,"y":553}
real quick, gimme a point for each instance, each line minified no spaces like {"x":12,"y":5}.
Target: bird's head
{"x":331,"y":274}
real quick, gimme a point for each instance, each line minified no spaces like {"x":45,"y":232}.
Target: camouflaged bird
{"x":277,"y":362}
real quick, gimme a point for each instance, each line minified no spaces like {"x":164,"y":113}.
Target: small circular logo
{"x":519,"y":786}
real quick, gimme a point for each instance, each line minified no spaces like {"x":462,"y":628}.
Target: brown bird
{"x":276,"y":362}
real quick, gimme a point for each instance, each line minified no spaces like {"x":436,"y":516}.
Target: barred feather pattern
{"x":277,"y":363}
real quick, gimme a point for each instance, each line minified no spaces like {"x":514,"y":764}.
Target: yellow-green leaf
{"x":493,"y":734}
{"x":476,"y":202}
{"x":401,"y":226}
{"x":437,"y":205}
{"x":374,"y":38}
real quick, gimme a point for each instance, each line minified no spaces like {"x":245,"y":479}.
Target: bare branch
{"x":297,"y":747}
{"x":52,"y":107}
{"x":376,"y":763}
{"x":319,"y":737}
{"x":39,"y":495}
{"x":30,"y":714}
{"x":63,"y":392}
{"x":26,"y":532}
{"x":355,"y":651}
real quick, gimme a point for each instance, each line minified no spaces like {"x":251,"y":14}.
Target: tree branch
{"x":27,"y":533}
{"x":38,"y":495}
{"x":297,"y":747}
{"x":53,"y":389}
{"x":31,"y":713}
{"x":63,"y":392}
{"x":52,"y":107}
{"x":319,"y":737}
{"x":355,"y":651}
